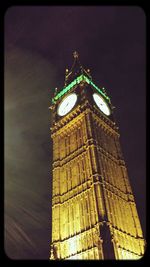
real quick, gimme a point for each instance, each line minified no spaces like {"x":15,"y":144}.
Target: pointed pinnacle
{"x":75,"y":54}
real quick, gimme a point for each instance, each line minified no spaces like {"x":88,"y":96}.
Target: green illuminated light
{"x":99,"y":90}
{"x":77,"y":81}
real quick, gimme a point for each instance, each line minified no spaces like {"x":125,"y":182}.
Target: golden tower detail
{"x":94,"y":214}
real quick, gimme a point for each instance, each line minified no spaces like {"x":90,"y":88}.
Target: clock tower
{"x":94,"y":214}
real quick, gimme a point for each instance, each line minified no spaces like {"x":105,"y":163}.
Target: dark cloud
{"x":27,"y":154}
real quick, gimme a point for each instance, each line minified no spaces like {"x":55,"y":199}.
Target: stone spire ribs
{"x":76,"y":70}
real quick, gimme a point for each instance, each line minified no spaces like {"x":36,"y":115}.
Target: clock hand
{"x":67,"y":104}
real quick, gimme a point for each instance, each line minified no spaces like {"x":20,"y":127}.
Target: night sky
{"x":39,"y":43}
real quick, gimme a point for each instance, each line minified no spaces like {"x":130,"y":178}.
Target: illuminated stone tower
{"x":94,"y":214}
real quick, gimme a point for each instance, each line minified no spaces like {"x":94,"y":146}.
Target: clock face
{"x":102,"y":105}
{"x":67,"y":104}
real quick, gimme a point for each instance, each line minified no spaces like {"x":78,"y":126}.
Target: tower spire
{"x":76,"y":69}
{"x":75,"y":54}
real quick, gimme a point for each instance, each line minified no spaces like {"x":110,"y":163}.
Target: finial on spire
{"x":75,"y":54}
{"x":76,"y":69}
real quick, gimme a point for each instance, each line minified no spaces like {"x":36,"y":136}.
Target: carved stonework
{"x":94,"y":214}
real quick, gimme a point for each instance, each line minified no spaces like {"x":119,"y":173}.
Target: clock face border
{"x":102,"y":106}
{"x":70,"y":107}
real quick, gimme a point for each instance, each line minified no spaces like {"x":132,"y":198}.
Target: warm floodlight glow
{"x":101,"y":104}
{"x":72,"y":245}
{"x":67,"y":104}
